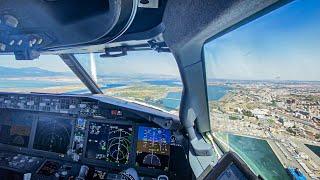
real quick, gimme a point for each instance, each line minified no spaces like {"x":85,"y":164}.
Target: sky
{"x":283,"y":44}
{"x":146,"y":62}
{"x":141,"y":62}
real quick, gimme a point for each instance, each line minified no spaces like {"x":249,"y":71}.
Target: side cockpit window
{"x":263,"y":84}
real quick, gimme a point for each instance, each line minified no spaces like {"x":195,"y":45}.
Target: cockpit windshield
{"x":47,"y":74}
{"x":147,"y":77}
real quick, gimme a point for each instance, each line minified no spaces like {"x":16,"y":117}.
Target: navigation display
{"x":53,"y":134}
{"x":15,"y":128}
{"x":109,"y":142}
{"x":153,"y":148}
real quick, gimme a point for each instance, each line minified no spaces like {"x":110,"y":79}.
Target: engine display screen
{"x":53,"y":134}
{"x":15,"y":128}
{"x":109,"y":142}
{"x":153,"y":148}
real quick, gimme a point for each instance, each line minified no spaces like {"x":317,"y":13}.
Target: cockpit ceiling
{"x":43,"y":25}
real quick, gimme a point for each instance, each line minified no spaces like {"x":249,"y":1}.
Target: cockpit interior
{"x":87,"y":133}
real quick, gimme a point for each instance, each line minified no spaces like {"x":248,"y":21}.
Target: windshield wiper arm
{"x":71,"y":61}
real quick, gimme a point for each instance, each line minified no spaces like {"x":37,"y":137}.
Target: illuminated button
{"x":11,"y":42}
{"x":40,"y":41}
{"x":19,"y":42}
{"x":33,"y":41}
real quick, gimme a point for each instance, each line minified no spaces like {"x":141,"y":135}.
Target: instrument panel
{"x":74,"y":130}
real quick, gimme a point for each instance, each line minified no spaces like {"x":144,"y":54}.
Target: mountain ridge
{"x":28,"y":71}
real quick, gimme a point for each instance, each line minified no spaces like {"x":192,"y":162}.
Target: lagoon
{"x":215,"y":93}
{"x":257,"y":153}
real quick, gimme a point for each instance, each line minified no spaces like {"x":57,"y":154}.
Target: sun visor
{"x":31,"y":26}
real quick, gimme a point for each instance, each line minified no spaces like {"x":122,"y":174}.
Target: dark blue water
{"x":315,"y":149}
{"x":108,"y":86}
{"x":215,"y":93}
{"x":258,"y":154}
{"x":164,"y":82}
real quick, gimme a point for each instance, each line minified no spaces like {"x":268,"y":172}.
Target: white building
{"x":260,"y":113}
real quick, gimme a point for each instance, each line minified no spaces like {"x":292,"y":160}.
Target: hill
{"x":28,"y":71}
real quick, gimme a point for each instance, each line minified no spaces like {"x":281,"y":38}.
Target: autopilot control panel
{"x":50,"y":136}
